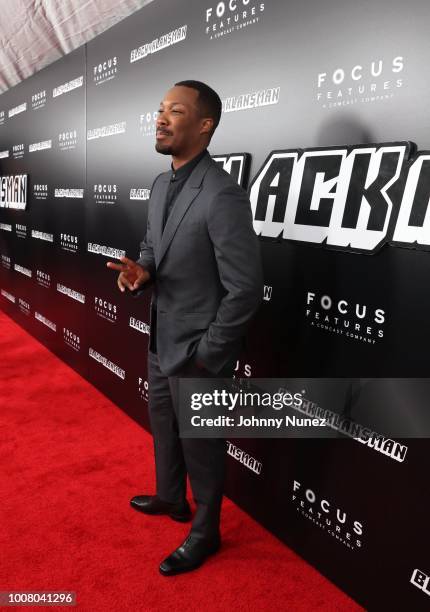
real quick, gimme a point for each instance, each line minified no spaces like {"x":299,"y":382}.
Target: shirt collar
{"x":184,"y":171}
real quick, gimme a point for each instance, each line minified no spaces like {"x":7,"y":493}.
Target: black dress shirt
{"x":178,"y":179}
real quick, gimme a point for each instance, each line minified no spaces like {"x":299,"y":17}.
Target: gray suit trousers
{"x":203,"y":459}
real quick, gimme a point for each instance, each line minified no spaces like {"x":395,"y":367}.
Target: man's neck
{"x":178,"y":161}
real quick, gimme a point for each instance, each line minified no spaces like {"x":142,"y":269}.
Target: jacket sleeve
{"x":237,"y":252}
{"x":146,"y":257}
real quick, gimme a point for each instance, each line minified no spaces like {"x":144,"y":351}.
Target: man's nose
{"x":161,"y":120}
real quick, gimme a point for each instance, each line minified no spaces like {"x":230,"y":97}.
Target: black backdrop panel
{"x":47,"y":141}
{"x":292,"y":76}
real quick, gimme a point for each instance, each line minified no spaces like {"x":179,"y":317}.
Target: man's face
{"x":180,"y":128}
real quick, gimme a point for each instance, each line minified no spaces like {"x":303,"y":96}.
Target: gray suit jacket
{"x":206,"y":268}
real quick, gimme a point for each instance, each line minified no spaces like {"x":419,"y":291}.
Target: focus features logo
{"x":38,"y":100}
{"x":43,"y":279}
{"x":344,"y":317}
{"x":147,"y":123}
{"x":69,"y":243}
{"x":40,"y":192}
{"x":6,"y":263}
{"x":105,"y":309}
{"x":142,"y":389}
{"x":21,"y":230}
{"x":367,"y":82}
{"x":18,"y":151}
{"x":105,"y":194}
{"x":71,"y":339}
{"x":105,"y":71}
{"x":231,"y":16}
{"x":24,"y":306}
{"x":67,"y":141}
{"x":421,"y":581}
{"x":327,"y":516}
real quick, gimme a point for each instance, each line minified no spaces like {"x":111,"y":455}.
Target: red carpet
{"x":70,"y":461}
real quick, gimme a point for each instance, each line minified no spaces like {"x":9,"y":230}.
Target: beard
{"x":164,"y":149}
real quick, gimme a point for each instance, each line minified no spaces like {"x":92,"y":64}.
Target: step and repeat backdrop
{"x":325,"y":122}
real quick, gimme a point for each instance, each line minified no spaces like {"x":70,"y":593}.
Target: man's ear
{"x":206,"y":126}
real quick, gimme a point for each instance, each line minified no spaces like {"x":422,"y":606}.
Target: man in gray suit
{"x":202,"y":258}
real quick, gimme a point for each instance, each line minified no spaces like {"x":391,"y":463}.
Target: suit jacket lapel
{"x":184,"y":200}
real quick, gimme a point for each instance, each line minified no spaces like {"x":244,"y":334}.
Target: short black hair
{"x":208,"y":100}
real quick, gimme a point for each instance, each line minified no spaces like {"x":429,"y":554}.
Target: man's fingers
{"x":142,"y":277}
{"x":115,"y":266}
{"x":127,"y":268}
{"x":127,"y":261}
{"x":139,"y":281}
{"x":124,"y":282}
{"x":120,"y":285}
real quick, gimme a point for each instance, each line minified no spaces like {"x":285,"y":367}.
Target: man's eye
{"x":160,"y":111}
{"x":177,"y":112}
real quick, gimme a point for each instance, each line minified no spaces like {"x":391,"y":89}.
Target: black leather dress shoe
{"x":152,"y":504}
{"x":189,"y":556}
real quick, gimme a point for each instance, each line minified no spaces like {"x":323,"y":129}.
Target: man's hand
{"x":131,"y":274}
